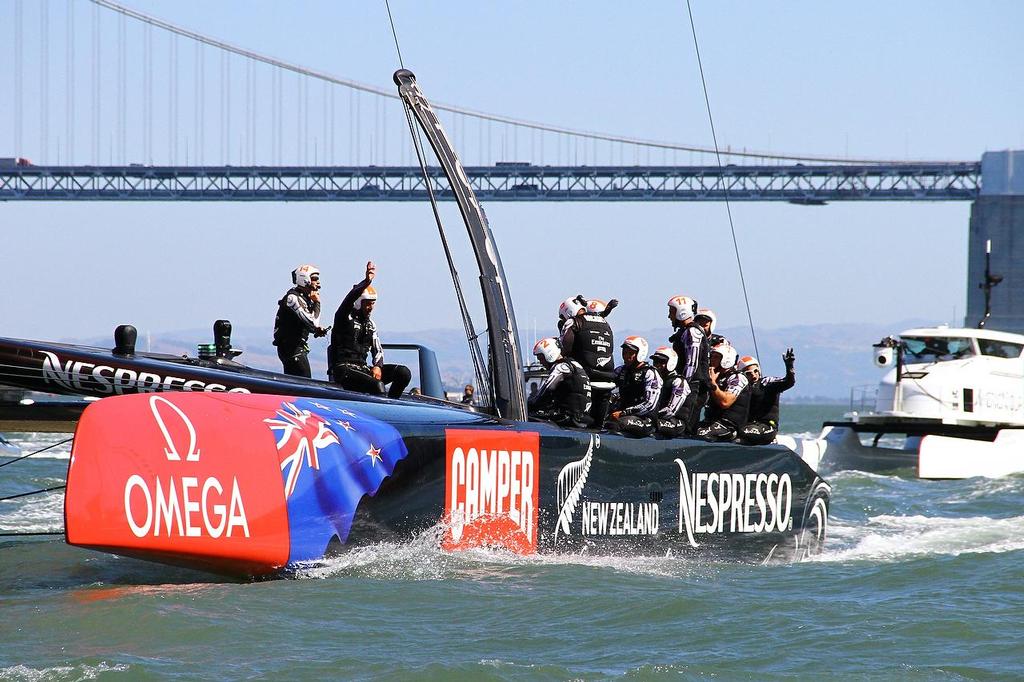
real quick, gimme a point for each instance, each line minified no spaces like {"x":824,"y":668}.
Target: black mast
{"x":506,"y":363}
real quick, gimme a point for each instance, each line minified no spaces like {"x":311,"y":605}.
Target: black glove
{"x":789,"y":359}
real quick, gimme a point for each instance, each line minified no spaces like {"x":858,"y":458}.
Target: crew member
{"x":355,"y":336}
{"x":467,"y":394}
{"x":639,"y":390}
{"x":586,"y":337}
{"x":298,"y":314}
{"x":729,"y":399}
{"x":564,"y":397}
{"x":691,"y":346}
{"x":674,"y":392}
{"x":763,"y":419}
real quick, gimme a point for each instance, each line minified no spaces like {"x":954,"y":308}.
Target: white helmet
{"x":748,"y":361}
{"x":710,"y":314}
{"x":369,"y":294}
{"x":668,"y":355}
{"x":728,"y":354}
{"x":638,"y":344}
{"x":683,"y":308}
{"x":305,"y":275}
{"x":569,"y":308}
{"x":596,"y":306}
{"x":548,"y":349}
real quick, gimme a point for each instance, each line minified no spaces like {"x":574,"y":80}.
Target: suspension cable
{"x":495,"y":118}
{"x":18,"y":459}
{"x":725,"y":185}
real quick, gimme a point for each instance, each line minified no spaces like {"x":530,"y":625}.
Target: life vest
{"x":352,"y":339}
{"x":633,"y":385}
{"x":290,"y":332}
{"x":764,"y":403}
{"x":735,"y":414}
{"x":592,"y":346}
{"x":573,"y":394}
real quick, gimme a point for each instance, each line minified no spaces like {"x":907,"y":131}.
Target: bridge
{"x":503,"y":182}
{"x":111,"y":104}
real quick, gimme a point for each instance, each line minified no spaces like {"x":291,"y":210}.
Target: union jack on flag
{"x":302,"y":434}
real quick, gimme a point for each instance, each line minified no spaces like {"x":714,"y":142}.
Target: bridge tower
{"x":998,"y":214}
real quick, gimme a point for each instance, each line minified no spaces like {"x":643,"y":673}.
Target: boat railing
{"x":862,"y":398}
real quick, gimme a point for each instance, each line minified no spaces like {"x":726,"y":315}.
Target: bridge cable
{"x":18,"y":459}
{"x":494,"y":118}
{"x":725,"y":185}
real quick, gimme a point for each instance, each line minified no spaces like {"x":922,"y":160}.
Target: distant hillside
{"x":830,"y":358}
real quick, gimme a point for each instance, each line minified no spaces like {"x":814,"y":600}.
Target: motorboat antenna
{"x":505,"y":362}
{"x":990,"y":282}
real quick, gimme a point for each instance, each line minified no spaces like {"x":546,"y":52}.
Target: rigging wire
{"x":482,"y":379}
{"x":394,"y":33}
{"x":53,"y":445}
{"x":725,"y":186}
{"x":34,"y":492}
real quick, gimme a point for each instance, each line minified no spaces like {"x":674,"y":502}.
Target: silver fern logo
{"x":571,"y":480}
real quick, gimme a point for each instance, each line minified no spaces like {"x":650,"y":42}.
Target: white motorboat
{"x":954,"y":395}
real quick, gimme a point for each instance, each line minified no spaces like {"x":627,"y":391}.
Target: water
{"x":920,"y":580}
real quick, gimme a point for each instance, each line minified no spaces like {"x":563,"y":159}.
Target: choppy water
{"x":920,"y":580}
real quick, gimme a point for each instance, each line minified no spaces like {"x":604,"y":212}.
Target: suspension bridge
{"x":110,"y":104}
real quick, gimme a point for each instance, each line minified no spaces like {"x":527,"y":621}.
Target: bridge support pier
{"x":998,"y":214}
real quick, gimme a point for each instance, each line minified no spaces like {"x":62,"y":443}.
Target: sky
{"x":909,"y":80}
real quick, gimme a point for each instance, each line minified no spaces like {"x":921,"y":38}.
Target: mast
{"x":505,"y":361}
{"x":990,"y":282}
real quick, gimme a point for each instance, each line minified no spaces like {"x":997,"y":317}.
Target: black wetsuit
{"x":763,"y":418}
{"x":691,"y":346}
{"x":639,"y":392}
{"x":723,"y":423}
{"x":588,"y":339}
{"x":565,"y":396}
{"x":353,"y":337}
{"x":297,"y":316}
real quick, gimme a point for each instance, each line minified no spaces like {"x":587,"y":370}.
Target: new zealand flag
{"x":331,"y":456}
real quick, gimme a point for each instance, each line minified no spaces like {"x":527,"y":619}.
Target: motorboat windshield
{"x":921,"y":349}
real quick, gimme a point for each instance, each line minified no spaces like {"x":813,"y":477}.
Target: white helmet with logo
{"x":305,"y":275}
{"x":569,"y":308}
{"x":667,"y":355}
{"x":748,"y":361}
{"x":728,"y":353}
{"x":638,"y":344}
{"x":547,"y":350}
{"x":710,"y":314}
{"x":683,"y":308}
{"x":596,"y":306}
{"x":369,"y":294}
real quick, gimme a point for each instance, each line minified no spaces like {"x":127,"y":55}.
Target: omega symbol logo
{"x":172,"y":449}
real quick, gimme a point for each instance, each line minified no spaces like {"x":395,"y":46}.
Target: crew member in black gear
{"x":564,"y":397}
{"x":298,"y":314}
{"x":729,"y":400}
{"x":763,"y":419}
{"x":355,"y":336}
{"x":691,"y":346}
{"x":669,"y":420}
{"x":639,"y":387}
{"x":586,"y":337}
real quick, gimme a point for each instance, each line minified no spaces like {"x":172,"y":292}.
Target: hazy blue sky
{"x":932,"y":80}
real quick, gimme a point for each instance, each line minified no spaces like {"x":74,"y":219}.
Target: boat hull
{"x":253,"y":485}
